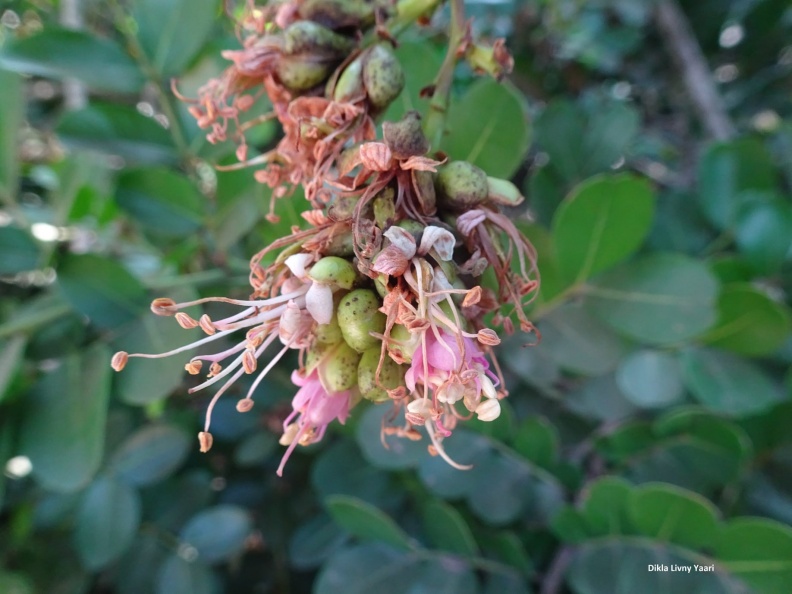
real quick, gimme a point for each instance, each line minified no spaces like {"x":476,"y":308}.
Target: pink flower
{"x":316,"y":409}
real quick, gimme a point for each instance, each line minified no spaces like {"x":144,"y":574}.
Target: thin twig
{"x":554,"y":578}
{"x":684,"y":48}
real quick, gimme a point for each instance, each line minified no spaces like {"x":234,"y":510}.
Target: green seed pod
{"x":332,"y":270}
{"x":384,"y":208}
{"x":350,"y":83}
{"x":405,"y":138}
{"x":391,"y":375}
{"x":339,"y":371}
{"x":315,"y":354}
{"x":299,"y":73}
{"x":383,"y":76}
{"x":357,"y":316}
{"x":461,"y":185}
{"x":341,"y":245}
{"x":413,"y":227}
{"x":309,"y":37}
{"x":381,"y":284}
{"x":339,"y":13}
{"x":408,"y":342}
{"x":328,"y":333}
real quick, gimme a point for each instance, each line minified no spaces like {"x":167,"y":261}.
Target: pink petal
{"x":402,"y":240}
{"x":440,"y":239}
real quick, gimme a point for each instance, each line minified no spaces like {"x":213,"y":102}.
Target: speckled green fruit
{"x":350,"y":83}
{"x":309,"y":37}
{"x":298,"y":73}
{"x":332,"y":270}
{"x":384,"y":208}
{"x":383,"y":76}
{"x":391,"y":375}
{"x":339,"y":371}
{"x":339,"y":13}
{"x":405,"y":138}
{"x":329,"y":333}
{"x":315,"y":354}
{"x":358,"y":315}
{"x":461,"y":185}
{"x":404,"y":344}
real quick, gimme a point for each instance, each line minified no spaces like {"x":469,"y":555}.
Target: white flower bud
{"x":489,"y":410}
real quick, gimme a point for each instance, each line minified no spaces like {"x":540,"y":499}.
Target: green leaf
{"x":671,"y":514}
{"x":161,"y":200}
{"x":100,"y":64}
{"x":421,"y":59}
{"x":488,"y":127}
{"x":150,"y":455}
{"x":749,"y":322}
{"x":10,"y":120}
{"x":119,"y":130}
{"x":726,"y":170}
{"x":764,"y":233}
{"x":168,"y":44}
{"x":255,"y":448}
{"x":15,"y":583}
{"x":179,"y":576}
{"x":400,"y":453}
{"x":101,"y":289}
{"x":650,"y":379}
{"x":600,"y":398}
{"x":366,"y":521}
{"x":621,"y":565}
{"x":759,"y":551}
{"x":313,"y":542}
{"x":602,"y":222}
{"x":369,"y":567}
{"x":537,"y":439}
{"x":11,"y":355}
{"x":659,"y":299}
{"x":447,"y":530}
{"x":579,"y":342}
{"x":604,"y":506}
{"x":18,"y":251}
{"x":107,"y":521}
{"x":62,"y":430}
{"x":218,"y":533}
{"x":728,"y":384}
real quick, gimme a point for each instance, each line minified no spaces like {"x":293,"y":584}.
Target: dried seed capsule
{"x":299,"y":73}
{"x":350,"y":83}
{"x":332,"y":270}
{"x":358,"y":315}
{"x":310,"y":37}
{"x":385,"y":208}
{"x":383,"y":76}
{"x":461,"y":185}
{"x":391,"y":375}
{"x":405,"y":138}
{"x":423,"y":184}
{"x":339,"y":371}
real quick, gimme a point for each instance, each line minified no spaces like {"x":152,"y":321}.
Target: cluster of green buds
{"x":384,"y":295}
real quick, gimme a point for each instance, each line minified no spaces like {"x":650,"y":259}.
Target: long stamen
{"x":441,"y":451}
{"x":181,"y":349}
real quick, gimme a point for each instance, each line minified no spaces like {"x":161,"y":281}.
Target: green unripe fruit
{"x":329,"y":333}
{"x":339,"y":13}
{"x":299,"y":73}
{"x":350,"y":83}
{"x":315,"y":354}
{"x":341,"y":245}
{"x":310,"y":37}
{"x":391,"y":375}
{"x":407,"y":342}
{"x":383,"y":76}
{"x":502,"y":191}
{"x":332,"y":270}
{"x":413,"y":227}
{"x":461,"y":185}
{"x":357,"y":316}
{"x":339,"y":371}
{"x":384,"y":208}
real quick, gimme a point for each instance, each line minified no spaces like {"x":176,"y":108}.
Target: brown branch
{"x":686,"y":52}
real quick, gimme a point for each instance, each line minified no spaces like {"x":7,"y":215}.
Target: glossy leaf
{"x":366,"y":521}
{"x":161,"y":201}
{"x":101,"y":289}
{"x":168,"y":44}
{"x":217,"y":533}
{"x":764,"y":233}
{"x":422,"y":60}
{"x":150,"y":455}
{"x":10,"y":122}
{"x":107,"y":522}
{"x":659,"y":299}
{"x":313,"y":542}
{"x":728,"y":384}
{"x":650,"y":379}
{"x":600,"y":223}
{"x":537,"y":439}
{"x":18,"y":251}
{"x":118,"y":130}
{"x":11,"y":357}
{"x":63,"y":427}
{"x":179,"y":576}
{"x":62,"y":53}
{"x":749,"y":322}
{"x":447,"y":530}
{"x":497,"y":138}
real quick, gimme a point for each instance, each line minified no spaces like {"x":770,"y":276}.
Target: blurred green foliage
{"x":650,"y":425}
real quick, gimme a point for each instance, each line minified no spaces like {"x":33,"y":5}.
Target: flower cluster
{"x":383,"y":295}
